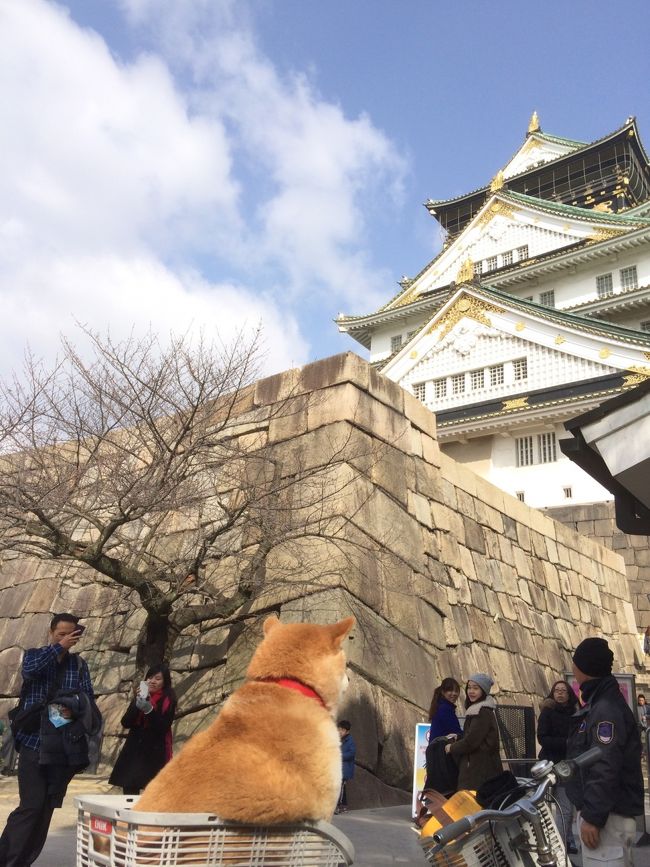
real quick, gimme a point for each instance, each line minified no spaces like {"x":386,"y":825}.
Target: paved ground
{"x":380,"y":836}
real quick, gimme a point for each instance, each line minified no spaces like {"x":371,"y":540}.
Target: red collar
{"x":297,"y":685}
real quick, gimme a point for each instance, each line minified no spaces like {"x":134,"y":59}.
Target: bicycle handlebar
{"x":450,"y":832}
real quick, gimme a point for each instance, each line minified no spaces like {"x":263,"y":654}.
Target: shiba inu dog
{"x":272,"y":755}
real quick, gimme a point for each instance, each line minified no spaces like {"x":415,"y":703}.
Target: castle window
{"x":496,"y":375}
{"x":506,"y":259}
{"x":491,"y":263}
{"x":440,"y":388}
{"x":520,"y":495}
{"x":629,"y":278}
{"x":478,"y":268}
{"x":520,"y":369}
{"x":604,"y":285}
{"x":396,"y":343}
{"x":522,"y":253}
{"x":547,"y":448}
{"x":645,"y":325}
{"x":410,"y":335}
{"x":524,"y":446}
{"x":458,"y":383}
{"x":477,"y":379}
{"x":547,"y":299}
{"x":419,"y":390}
{"x":568,"y":493}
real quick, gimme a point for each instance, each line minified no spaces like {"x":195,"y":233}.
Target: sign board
{"x":626,"y":684}
{"x":419,"y":761}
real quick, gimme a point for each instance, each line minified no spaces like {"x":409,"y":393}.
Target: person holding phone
{"x":56,"y":686}
{"x":148,"y":745}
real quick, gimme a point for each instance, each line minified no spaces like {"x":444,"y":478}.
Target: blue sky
{"x":218,"y":163}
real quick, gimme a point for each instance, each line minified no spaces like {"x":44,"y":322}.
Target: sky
{"x":215,"y":165}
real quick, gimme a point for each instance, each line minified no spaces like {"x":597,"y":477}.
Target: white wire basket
{"x":111,"y":833}
{"x":497,"y":844}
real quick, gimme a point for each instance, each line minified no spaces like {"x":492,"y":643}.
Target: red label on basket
{"x":100,"y":826}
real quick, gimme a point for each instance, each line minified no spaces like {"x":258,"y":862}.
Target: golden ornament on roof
{"x":533,"y":126}
{"x":465,"y":272}
{"x":497,"y":181}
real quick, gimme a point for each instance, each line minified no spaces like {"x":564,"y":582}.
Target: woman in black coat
{"x":148,"y":745}
{"x":553,"y":728}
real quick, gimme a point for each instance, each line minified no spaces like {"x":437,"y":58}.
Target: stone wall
{"x":597,"y":521}
{"x":445,"y":573}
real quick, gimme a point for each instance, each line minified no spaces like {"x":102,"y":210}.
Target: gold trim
{"x":604,"y":352}
{"x":413,"y":353}
{"x":496,"y":209}
{"x":633,"y":379}
{"x":559,"y":340}
{"x":520,"y":326}
{"x":465,"y":272}
{"x":604,"y":207}
{"x":533,"y":124}
{"x":646,"y":355}
{"x":516,"y":403}
{"x":497,"y":181}
{"x":604,"y":234}
{"x":472,"y":308}
{"x":640,"y":370}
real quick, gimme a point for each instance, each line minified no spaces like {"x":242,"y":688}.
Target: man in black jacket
{"x":609,"y":794}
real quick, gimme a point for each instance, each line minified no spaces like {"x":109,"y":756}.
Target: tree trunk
{"x":156,"y":642}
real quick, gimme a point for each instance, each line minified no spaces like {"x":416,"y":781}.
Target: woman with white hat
{"x":477,"y":753}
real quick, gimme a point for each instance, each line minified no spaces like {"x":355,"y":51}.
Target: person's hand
{"x":589,"y":834}
{"x":452,"y":737}
{"x":143,"y":704}
{"x":447,"y":748}
{"x":70,"y":640}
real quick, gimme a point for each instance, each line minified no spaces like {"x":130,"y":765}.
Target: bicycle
{"x":523,"y":833}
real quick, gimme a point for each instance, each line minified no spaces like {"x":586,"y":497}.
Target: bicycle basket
{"x":493,"y":844}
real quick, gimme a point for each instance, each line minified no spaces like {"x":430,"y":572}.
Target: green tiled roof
{"x":569,"y":320}
{"x":588,"y":215}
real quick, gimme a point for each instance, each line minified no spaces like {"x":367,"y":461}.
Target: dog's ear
{"x":340,"y":630}
{"x":270,"y":623}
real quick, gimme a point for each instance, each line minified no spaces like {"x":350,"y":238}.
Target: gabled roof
{"x":602,"y":220}
{"x":620,"y":346}
{"x":575,"y":147}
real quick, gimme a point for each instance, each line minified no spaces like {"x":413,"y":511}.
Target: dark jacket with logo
{"x":614,"y":784}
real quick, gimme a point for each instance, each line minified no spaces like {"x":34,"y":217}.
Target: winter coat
{"x":477,"y":753}
{"x":147,"y":748}
{"x":444,"y":721}
{"x":553,"y":727}
{"x":613,"y":784}
{"x":348,"y":753}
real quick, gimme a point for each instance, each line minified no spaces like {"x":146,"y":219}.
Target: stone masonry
{"x":597,"y":521}
{"x":445,"y":573}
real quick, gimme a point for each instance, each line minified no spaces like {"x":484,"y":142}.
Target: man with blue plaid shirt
{"x":42,"y":787}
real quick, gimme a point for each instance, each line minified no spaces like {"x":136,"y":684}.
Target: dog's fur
{"x":272,"y":755}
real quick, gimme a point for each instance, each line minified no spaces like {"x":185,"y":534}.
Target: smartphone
{"x":80,"y":628}
{"x":143,"y":689}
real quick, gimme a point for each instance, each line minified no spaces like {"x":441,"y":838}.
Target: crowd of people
{"x":56,"y":718}
{"x":53,"y":729}
{"x":602,"y":801}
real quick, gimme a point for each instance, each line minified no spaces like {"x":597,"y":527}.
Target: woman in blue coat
{"x":442,"y":772}
{"x":442,"y":711}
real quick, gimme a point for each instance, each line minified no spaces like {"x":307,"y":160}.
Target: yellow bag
{"x":460,"y":804}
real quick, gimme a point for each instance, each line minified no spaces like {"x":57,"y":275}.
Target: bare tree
{"x":150,"y":464}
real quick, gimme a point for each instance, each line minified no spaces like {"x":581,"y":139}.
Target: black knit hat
{"x":593,"y":657}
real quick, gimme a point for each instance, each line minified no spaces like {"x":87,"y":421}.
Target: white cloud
{"x":170,"y":189}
